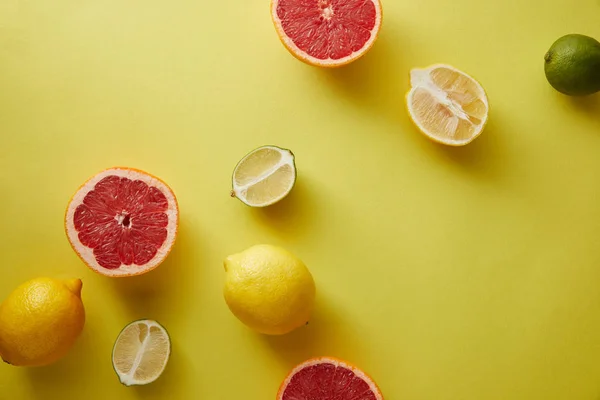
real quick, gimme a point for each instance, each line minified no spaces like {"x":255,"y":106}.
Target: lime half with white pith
{"x":141,"y":352}
{"x":264,"y":176}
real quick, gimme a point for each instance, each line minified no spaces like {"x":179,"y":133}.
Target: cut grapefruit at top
{"x":326,"y":379}
{"x":327,"y":33}
{"x":122,"y":222}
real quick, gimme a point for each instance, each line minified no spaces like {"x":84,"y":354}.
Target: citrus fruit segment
{"x":447,"y":105}
{"x":141,"y":352}
{"x":264,"y":176}
{"x":327,"y":33}
{"x":328,"y":378}
{"x":122,"y":222}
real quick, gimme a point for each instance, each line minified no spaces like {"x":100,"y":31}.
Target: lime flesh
{"x":141,"y":352}
{"x":264,"y":176}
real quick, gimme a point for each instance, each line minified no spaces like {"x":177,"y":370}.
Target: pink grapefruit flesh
{"x":326,"y":379}
{"x":327,"y":33}
{"x":122,"y":222}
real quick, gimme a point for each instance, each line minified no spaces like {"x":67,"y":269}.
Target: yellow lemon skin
{"x":269,"y":289}
{"x":40,"y":321}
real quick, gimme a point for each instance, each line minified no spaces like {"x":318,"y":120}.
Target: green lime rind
{"x":115,"y":345}
{"x":572,"y":65}
{"x":283,"y":149}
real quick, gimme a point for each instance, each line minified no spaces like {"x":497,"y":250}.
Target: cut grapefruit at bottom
{"x":328,"y":378}
{"x":122,"y":222}
{"x":327,"y":33}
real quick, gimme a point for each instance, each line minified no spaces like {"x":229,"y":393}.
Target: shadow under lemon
{"x":85,"y":369}
{"x":82,"y":372}
{"x":327,"y":333}
{"x":156,"y":294}
{"x":485,"y":156}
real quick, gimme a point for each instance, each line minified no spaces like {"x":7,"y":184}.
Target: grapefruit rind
{"x":330,"y":360}
{"x":328,"y":63}
{"x":421,"y":78}
{"x":86,"y":254}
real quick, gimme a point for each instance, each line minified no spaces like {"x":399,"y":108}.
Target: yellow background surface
{"x":446,"y":273}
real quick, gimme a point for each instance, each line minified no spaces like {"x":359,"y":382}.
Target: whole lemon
{"x":40,"y":321}
{"x":269,"y":289}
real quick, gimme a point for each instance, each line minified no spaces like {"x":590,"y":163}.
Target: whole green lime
{"x":572,"y":65}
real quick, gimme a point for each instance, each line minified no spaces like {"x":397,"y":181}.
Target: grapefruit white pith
{"x":328,"y":378}
{"x":327,"y":33}
{"x":122,"y":222}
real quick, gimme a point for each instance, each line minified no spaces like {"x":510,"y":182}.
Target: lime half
{"x":141,"y":352}
{"x":264,"y":176}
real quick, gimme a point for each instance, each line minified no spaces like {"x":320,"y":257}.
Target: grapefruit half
{"x":328,"y":378}
{"x":327,"y":33}
{"x":122,"y":222}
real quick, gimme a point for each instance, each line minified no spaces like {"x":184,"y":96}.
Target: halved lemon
{"x":447,"y":105}
{"x":141,"y":352}
{"x":264,"y":176}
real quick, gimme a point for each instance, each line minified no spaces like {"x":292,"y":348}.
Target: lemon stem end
{"x":74,"y":286}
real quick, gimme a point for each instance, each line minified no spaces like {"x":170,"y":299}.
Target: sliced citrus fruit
{"x":327,"y":33}
{"x":264,"y":176}
{"x":447,"y":105}
{"x":141,"y":352}
{"x":122,"y":222}
{"x":328,"y":378}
